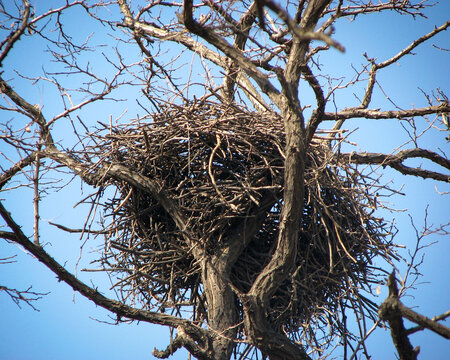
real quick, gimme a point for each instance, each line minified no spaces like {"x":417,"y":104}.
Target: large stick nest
{"x":220,"y":164}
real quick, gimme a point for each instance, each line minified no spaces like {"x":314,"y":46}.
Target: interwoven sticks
{"x":221,"y":165}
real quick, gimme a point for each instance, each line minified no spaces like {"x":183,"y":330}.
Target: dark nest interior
{"x":220,"y":164}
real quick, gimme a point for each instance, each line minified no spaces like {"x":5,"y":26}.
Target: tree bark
{"x":221,"y":301}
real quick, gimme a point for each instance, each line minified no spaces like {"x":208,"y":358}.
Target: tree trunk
{"x":222,"y":312}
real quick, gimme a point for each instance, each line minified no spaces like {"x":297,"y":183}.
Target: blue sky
{"x":70,"y":327}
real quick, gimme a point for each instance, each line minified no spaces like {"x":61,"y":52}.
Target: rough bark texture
{"x":221,"y":303}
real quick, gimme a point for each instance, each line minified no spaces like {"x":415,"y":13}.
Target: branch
{"x":183,"y":339}
{"x":119,"y":172}
{"x":375,"y":67}
{"x":8,"y":174}
{"x":434,"y":320}
{"x":395,"y":161}
{"x":404,"y":7}
{"x":241,"y":36}
{"x":122,"y":310}
{"x":388,"y":311}
{"x":174,"y":345}
{"x":15,"y":35}
{"x":317,"y":115}
{"x":413,"y":45}
{"x":352,"y":113}
{"x":423,"y":321}
{"x":23,"y":296}
{"x":245,"y":64}
{"x":97,"y":176}
{"x":8,"y":235}
{"x":34,"y":113}
{"x":72,"y":231}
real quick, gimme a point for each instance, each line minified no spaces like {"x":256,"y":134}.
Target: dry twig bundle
{"x":221,"y":164}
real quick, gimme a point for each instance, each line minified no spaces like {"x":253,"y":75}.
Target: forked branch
{"x":395,"y":161}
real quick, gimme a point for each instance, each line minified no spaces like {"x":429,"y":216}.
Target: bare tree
{"x":228,"y":208}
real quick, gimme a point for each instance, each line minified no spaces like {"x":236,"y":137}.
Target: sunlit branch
{"x":352,"y":113}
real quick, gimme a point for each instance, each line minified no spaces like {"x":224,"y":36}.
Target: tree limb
{"x":15,"y":35}
{"x":119,"y":308}
{"x":352,"y":113}
{"x":231,"y":52}
{"x":18,"y":166}
{"x":388,"y":311}
{"x":423,"y":321}
{"x":434,"y":320}
{"x":395,"y":161}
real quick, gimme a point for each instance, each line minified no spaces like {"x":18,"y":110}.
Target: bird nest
{"x":220,"y":165}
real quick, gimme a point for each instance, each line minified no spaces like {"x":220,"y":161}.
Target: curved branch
{"x":413,"y":45}
{"x":201,"y":335}
{"x":317,"y":115}
{"x":15,"y":35}
{"x":395,"y":161}
{"x":114,"y":171}
{"x":375,"y":67}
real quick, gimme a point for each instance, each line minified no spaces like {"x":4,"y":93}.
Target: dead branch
{"x":23,"y":296}
{"x":396,"y":160}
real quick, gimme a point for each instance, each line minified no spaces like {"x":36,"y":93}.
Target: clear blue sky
{"x":66,"y":326}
